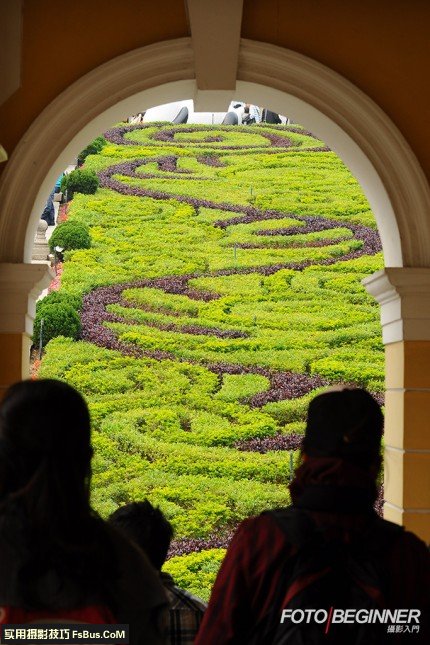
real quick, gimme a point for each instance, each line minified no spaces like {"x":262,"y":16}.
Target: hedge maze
{"x":221,"y":291}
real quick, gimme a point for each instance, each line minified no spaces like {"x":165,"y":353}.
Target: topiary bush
{"x":80,"y":181}
{"x":196,"y":571}
{"x":70,"y":235}
{"x":92,"y":148}
{"x":58,"y":320}
{"x":60,"y":297}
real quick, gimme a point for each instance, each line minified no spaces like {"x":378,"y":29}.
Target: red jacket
{"x":248,"y":579}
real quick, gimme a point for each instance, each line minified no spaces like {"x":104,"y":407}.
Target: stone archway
{"x":352,"y":125}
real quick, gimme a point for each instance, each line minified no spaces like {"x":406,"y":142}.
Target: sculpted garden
{"x":210,"y":287}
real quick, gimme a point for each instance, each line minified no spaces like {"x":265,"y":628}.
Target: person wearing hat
{"x":330,"y":526}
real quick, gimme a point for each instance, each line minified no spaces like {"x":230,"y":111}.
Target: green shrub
{"x":58,"y":320}
{"x":196,"y":572}
{"x":70,"y":235}
{"x":60,"y":298}
{"x":92,"y":148}
{"x":240,"y":386}
{"x":80,"y":181}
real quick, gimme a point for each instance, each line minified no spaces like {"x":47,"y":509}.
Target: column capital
{"x":404,"y":296}
{"x":20,"y":286}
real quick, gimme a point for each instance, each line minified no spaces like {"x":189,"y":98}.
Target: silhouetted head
{"x":63,"y":554}
{"x":45,"y":449}
{"x":147,"y":527}
{"x":344,"y":423}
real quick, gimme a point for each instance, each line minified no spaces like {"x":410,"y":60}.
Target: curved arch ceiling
{"x":286,"y":82}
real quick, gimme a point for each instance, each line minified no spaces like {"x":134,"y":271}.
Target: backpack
{"x":326,"y":572}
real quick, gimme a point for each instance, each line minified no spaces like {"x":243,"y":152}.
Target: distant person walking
{"x":49,"y":211}
{"x":151,"y":531}
{"x":327,"y":553}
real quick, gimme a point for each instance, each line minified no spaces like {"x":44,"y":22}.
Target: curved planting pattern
{"x":221,"y":292}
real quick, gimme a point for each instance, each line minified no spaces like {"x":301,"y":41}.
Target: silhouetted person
{"x":151,"y":531}
{"x":48,"y":213}
{"x":328,"y":552}
{"x":58,"y":559}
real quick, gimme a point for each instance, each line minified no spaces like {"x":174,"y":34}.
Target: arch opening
{"x":301,"y":112}
{"x":351,"y":124}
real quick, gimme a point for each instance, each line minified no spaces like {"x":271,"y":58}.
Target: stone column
{"x":20,"y":285}
{"x":40,"y":246}
{"x":404,"y":296}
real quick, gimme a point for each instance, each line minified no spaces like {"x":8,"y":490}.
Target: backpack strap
{"x":298,"y":526}
{"x":315,"y":554}
{"x":301,"y":529}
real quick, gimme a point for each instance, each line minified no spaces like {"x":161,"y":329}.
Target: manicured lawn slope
{"x":221,"y":291}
